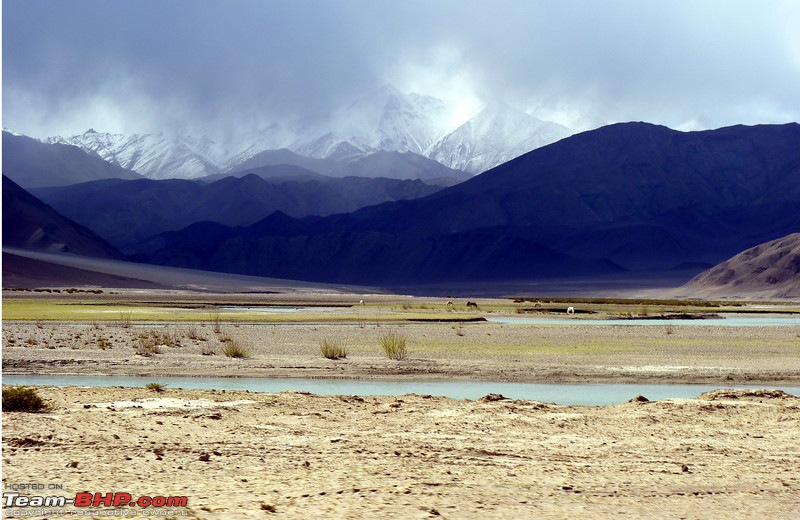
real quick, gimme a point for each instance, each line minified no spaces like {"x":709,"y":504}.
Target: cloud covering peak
{"x":224,"y":67}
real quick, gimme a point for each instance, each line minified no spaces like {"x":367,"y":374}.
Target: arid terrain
{"x":295,"y":455}
{"x":239,"y":454}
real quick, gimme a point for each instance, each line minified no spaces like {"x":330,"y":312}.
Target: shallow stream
{"x":570,"y":394}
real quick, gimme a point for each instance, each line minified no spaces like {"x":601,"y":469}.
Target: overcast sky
{"x":210,"y":65}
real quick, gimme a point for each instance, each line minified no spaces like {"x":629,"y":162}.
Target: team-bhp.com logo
{"x":92,"y":500}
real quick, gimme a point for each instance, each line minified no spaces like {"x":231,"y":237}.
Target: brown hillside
{"x":768,"y":270}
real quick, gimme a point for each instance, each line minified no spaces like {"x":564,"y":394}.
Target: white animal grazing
{"x":570,"y":310}
{"x":361,"y":302}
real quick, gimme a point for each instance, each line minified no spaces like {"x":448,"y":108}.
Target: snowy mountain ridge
{"x":384,"y":120}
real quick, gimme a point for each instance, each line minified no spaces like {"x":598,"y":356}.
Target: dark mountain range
{"x":32,"y":164}
{"x":391,"y":165}
{"x":637,"y":195}
{"x":769,"y":270}
{"x":30,"y":224}
{"x":127,"y":212}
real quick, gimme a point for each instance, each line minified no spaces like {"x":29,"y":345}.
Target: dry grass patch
{"x":232,"y":349}
{"x":332,"y":349}
{"x":394,"y":345}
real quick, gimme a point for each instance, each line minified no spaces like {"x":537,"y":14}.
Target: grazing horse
{"x":570,"y":310}
{"x":472,"y":305}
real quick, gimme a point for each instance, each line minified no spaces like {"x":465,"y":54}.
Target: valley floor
{"x":238,"y":454}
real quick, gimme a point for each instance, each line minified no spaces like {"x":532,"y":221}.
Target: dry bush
{"x":148,"y":346}
{"x":22,"y":399}
{"x":125,"y":319}
{"x":156,"y":387}
{"x":216,"y":321}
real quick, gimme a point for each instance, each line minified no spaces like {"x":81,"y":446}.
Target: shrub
{"x":208,"y":351}
{"x":156,"y":387}
{"x":394,"y":345}
{"x":148,"y":346}
{"x":125,"y":319}
{"x":193,"y":334}
{"x":331,"y":349}
{"x":232,"y":349}
{"x":103,"y":343}
{"x":22,"y":399}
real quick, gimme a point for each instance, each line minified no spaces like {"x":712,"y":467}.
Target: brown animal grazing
{"x":472,"y":305}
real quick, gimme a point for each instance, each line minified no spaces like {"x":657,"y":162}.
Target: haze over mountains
{"x":34,"y":164}
{"x":385,"y":120}
{"x":630,"y":196}
{"x":128,"y":212}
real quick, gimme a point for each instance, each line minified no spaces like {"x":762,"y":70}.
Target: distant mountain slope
{"x":284,"y":248}
{"x":31,"y":164}
{"x":769,"y":270}
{"x":156,"y":156}
{"x":30,"y":224}
{"x":635,"y":195}
{"x":129,"y":212}
{"x":642,"y":195}
{"x":390,"y":165}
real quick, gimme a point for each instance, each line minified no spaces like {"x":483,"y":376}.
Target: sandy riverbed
{"x":240,"y":455}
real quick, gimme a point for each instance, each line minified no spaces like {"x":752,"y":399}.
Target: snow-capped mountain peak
{"x":467,"y":136}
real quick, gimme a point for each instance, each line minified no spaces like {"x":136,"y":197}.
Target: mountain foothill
{"x":621,"y":199}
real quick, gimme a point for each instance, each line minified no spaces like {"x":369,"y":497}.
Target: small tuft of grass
{"x":156,"y":387}
{"x":233,"y":349}
{"x":331,"y":349}
{"x":208,"y":351}
{"x":23,"y":399}
{"x":103,"y":343}
{"x":394,"y":345}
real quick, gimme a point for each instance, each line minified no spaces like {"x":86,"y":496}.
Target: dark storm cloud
{"x":145,"y":65}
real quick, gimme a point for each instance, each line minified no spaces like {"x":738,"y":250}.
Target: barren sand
{"x":243,"y":455}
